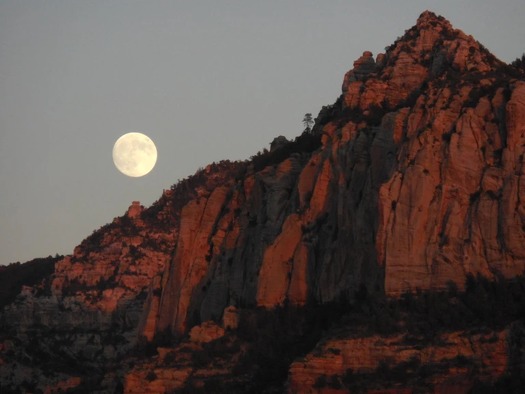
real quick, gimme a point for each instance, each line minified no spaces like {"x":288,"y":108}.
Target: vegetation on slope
{"x":16,"y":275}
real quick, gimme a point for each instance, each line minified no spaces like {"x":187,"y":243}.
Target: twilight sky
{"x":206,"y":80}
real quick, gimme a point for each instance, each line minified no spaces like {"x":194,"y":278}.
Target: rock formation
{"x":448,"y":363}
{"x":86,"y":314}
{"x":416,"y":184}
{"x":412,"y":181}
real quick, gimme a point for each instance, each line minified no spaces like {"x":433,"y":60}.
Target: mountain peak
{"x":428,"y":18}
{"x":433,"y":35}
{"x":431,"y":50}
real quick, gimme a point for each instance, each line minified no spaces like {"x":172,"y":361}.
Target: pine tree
{"x":308,"y":122}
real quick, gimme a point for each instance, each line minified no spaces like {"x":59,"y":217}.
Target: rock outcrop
{"x":87,"y":313}
{"x":453,"y":360}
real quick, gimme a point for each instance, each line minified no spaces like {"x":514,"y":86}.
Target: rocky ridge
{"x":412,"y":180}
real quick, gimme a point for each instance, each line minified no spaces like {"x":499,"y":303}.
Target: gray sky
{"x":206,"y":80}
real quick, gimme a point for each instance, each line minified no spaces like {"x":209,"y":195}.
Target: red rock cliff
{"x":418,"y":182}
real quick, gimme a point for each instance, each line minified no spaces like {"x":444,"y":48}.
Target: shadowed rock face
{"x":414,"y":178}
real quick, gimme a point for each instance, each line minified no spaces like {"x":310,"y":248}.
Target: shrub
{"x":16,"y":275}
{"x":151,"y":376}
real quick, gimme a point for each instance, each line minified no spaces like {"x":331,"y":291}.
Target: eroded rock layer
{"x":402,"y":365}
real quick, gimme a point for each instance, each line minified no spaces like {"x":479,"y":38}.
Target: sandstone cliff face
{"x":414,"y":178}
{"x":452,"y":206}
{"x":418,"y":182}
{"x":116,"y":266}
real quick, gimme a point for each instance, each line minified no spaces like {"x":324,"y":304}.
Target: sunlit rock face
{"x":87,"y":314}
{"x":413,"y":179}
{"x":444,"y":365}
{"x":450,"y":208}
{"x":416,"y":183}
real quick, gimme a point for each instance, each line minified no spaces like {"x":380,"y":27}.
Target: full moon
{"x":134,"y":154}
